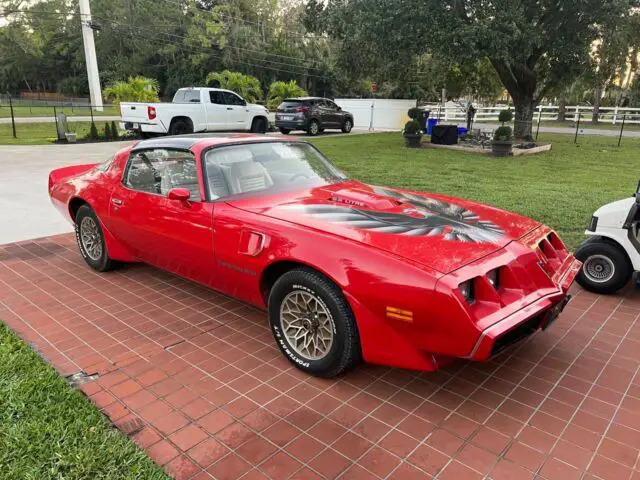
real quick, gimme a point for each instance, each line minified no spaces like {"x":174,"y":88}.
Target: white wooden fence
{"x":386,"y":114}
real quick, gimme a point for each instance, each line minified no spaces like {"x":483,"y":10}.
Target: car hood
{"x":440,"y":232}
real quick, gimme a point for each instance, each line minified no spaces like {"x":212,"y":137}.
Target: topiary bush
{"x":114,"y":130}
{"x":412,"y":127}
{"x":93,"y":132}
{"x":505,"y":116}
{"x":503,"y":134}
{"x":414,"y":113}
{"x":107,"y":131}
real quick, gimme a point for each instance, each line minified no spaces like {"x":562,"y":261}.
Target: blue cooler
{"x":430,"y":123}
{"x":462,"y":131}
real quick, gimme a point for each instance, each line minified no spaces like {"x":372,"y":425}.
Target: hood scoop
{"x":362,"y":199}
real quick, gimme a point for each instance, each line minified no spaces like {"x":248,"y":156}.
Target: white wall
{"x":387,"y":114}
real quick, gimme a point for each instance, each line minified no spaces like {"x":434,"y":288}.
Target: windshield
{"x":267,"y":166}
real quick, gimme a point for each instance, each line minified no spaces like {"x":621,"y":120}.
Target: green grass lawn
{"x":42,"y":133}
{"x":561,"y":188}
{"x":49,"y":430}
{"x":22,"y":111}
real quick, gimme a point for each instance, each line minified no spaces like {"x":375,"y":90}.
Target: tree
{"x":533,"y":45}
{"x":246,"y":86}
{"x":278,"y":91}
{"x":135,"y":89}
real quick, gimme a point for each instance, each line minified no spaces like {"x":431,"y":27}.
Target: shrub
{"x":114,"y":130}
{"x":414,"y":113}
{"x":247,"y":86}
{"x":505,"y":116}
{"x":278,"y":91}
{"x":135,"y":89}
{"x":412,"y":127}
{"x":503,"y":134}
{"x":93,"y":132}
{"x":107,"y":131}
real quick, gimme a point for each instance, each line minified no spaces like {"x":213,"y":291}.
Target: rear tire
{"x":91,"y":240}
{"x":314,"y":128}
{"x":313,"y":324}
{"x":606,"y":269}
{"x":259,"y":125}
{"x":284,"y":131}
{"x":180,"y":127}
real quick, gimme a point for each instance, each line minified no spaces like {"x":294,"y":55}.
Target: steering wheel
{"x":299,"y":175}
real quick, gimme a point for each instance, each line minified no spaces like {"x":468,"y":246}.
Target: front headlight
{"x":467,"y":291}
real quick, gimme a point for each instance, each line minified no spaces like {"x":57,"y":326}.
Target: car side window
{"x":331,"y":106}
{"x":217,"y":97}
{"x":232,"y":99}
{"x":156,"y":171}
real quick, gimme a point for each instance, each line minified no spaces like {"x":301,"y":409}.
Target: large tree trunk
{"x":595,"y":118}
{"x":562,"y":108}
{"x":523,"y":122}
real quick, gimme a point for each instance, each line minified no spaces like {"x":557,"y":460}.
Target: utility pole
{"x":95,"y":93}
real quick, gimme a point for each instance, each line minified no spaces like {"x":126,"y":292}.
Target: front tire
{"x":313,"y":324}
{"x":91,"y":240}
{"x":347,"y":125}
{"x":605,"y":267}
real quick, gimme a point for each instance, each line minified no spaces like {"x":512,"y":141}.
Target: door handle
{"x":116,"y":201}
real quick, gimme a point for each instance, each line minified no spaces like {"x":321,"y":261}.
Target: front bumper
{"x":521,"y":324}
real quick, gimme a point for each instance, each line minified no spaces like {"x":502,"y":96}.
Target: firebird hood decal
{"x":426,"y":217}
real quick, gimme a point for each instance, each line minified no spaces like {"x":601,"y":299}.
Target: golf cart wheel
{"x":605,"y":267}
{"x":91,"y":240}
{"x":313,"y":324}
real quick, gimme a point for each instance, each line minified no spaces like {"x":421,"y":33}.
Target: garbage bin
{"x":424,"y":118}
{"x":431,"y":122}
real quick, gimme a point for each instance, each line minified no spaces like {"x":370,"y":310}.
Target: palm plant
{"x":246,"y":86}
{"x":135,"y":89}
{"x":278,"y":91}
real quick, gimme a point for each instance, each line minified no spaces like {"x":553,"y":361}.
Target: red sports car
{"x":347,"y":271}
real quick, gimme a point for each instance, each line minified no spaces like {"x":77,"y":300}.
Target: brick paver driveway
{"x":194,"y":377}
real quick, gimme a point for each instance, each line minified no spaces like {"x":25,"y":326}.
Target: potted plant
{"x":412,"y":134}
{"x":502,"y":144}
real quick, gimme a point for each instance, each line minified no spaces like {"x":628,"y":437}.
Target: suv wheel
{"x":347,"y":125}
{"x":314,"y":128}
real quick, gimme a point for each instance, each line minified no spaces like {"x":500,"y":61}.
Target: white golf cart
{"x":611,"y":254}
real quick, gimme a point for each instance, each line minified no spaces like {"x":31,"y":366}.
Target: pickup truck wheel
{"x":284,"y":131}
{"x":180,"y":127}
{"x":313,"y":324}
{"x":91,"y":240}
{"x":314,"y":128}
{"x":259,"y":125}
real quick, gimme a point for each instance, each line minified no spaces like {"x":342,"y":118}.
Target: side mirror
{"x":180,"y":194}
{"x":339,"y":109}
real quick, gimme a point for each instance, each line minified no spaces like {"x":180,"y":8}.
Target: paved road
{"x":82,"y":118}
{"x":25,"y":209}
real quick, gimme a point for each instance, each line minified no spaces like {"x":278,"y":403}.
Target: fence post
{"x":13,"y":120}
{"x":624,"y":118}
{"x":615,"y":115}
{"x":539,"y":119}
{"x":577,"y":114}
{"x":575,"y":140}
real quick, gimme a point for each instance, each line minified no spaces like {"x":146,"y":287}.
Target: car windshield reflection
{"x":266,"y":167}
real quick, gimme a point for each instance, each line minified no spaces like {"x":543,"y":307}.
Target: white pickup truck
{"x":195,"y":110}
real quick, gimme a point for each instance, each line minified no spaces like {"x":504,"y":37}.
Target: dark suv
{"x":312,"y":114}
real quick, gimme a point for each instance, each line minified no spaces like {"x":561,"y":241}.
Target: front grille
{"x":517,"y":333}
